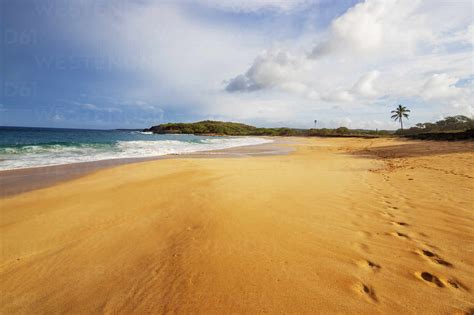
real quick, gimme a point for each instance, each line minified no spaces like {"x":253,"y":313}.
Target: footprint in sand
{"x":430,"y":279}
{"x":369,"y":264}
{"x":455,"y":284}
{"x":399,"y":223}
{"x":401,"y":235}
{"x":386,"y":214}
{"x":434,"y":258}
{"x":435,"y":281}
{"x":366,"y":291}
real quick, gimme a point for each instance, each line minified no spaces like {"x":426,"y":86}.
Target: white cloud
{"x":441,"y":86}
{"x":179,"y":58}
{"x":374,"y":27}
{"x":365,"y":85}
{"x":362,"y":88}
{"x":462,"y":36}
{"x":341,"y":122}
{"x":254,"y":5}
{"x":403,"y":40}
{"x":375,"y":54}
{"x":338,"y":96}
{"x":269,"y":69}
{"x":280,"y":70}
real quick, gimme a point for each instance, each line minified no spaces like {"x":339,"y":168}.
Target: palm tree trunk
{"x":401,"y":122}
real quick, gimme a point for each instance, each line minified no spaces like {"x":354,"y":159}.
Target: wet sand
{"x":360,"y":226}
{"x":18,"y":181}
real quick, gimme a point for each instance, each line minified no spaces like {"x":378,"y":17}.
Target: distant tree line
{"x":209,"y":127}
{"x":457,"y":123}
{"x":452,"y":125}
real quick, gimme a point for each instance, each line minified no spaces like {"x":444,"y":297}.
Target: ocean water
{"x":34,"y":147}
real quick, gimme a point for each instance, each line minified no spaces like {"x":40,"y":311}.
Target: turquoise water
{"x":33,"y":147}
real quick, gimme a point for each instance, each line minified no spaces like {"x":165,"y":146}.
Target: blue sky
{"x":132,"y":64}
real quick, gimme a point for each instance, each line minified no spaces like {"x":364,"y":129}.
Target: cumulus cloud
{"x":338,"y":96}
{"x":373,"y":27}
{"x":270,"y":68}
{"x":441,"y":86}
{"x":377,"y":51}
{"x":295,"y":74}
{"x":363,"y":88}
{"x":374,"y":54}
{"x":365,"y":85}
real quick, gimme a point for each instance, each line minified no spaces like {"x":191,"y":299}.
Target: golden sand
{"x":340,"y":225}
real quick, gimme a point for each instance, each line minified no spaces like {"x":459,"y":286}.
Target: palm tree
{"x":399,"y":113}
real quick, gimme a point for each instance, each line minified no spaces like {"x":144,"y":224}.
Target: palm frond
{"x":399,"y":113}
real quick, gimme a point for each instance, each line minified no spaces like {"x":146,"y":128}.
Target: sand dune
{"x":340,"y":225}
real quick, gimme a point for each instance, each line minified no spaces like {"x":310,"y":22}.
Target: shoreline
{"x":18,"y":181}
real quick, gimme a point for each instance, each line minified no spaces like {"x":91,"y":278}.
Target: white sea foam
{"x":56,"y":154}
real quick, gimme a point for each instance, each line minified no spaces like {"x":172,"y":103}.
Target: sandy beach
{"x":338,"y":225}
{"x":18,"y":181}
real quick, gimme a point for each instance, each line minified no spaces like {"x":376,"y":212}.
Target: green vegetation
{"x":450,"y":128}
{"x":399,"y":113}
{"x":445,"y":136}
{"x":448,"y":124}
{"x":206,"y":127}
{"x":209,"y":127}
